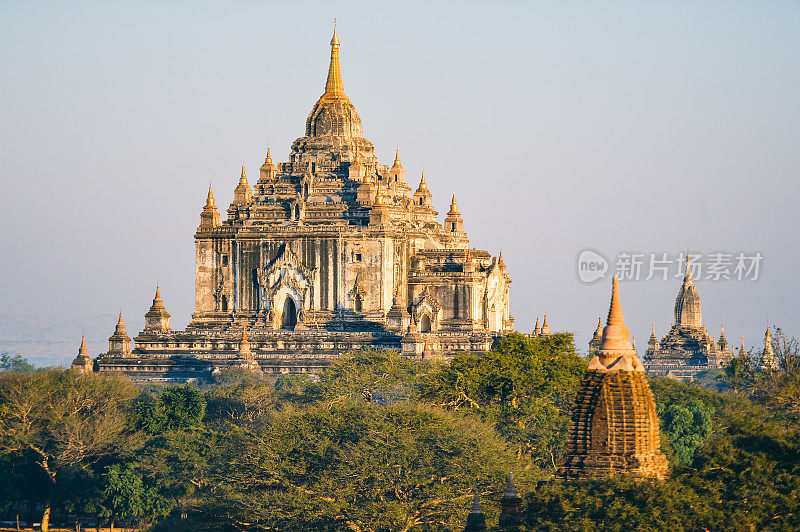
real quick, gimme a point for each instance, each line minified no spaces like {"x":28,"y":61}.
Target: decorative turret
{"x":268,"y":170}
{"x":454,"y":223}
{"x":246,"y":360}
{"x":614,"y":426}
{"x":476,"y":520}
{"x":242,"y":195}
{"x":119,"y":343}
{"x":537,"y":331}
{"x":157,"y":318}
{"x":423,"y":204}
{"x":545,"y":331}
{"x":742,"y":350}
{"x":687,"y":304}
{"x":209,"y":218}
{"x":83,"y":363}
{"x":768,"y":362}
{"x":378,"y":214}
{"x":594,"y":343}
{"x":397,"y":175}
{"x":723,"y":342}
{"x":510,"y":505}
{"x":398,"y":318}
{"x":652,"y":343}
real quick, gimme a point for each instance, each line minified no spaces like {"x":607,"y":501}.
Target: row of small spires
{"x":423,"y":186}
{"x":722,"y":342}
{"x":544,"y":330}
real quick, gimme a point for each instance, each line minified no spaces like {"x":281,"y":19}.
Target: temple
{"x":687,"y":349}
{"x":328,"y":252}
{"x":768,"y":361}
{"x":614,"y":427}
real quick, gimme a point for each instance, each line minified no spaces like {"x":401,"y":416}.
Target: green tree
{"x":62,"y":419}
{"x":524,"y":386}
{"x":126,"y":497}
{"x":182,"y":406}
{"x":685,"y":428}
{"x":15,"y":363}
{"x":355,"y":466}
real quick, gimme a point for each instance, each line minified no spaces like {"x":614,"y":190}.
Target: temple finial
{"x":453,"y":206}
{"x":334,"y":89}
{"x":158,"y":294}
{"x":83,"y":350}
{"x":210,"y":198}
{"x":422,"y":183}
{"x":397,"y":162}
{"x":615,"y":316}
{"x":243,"y":178}
{"x":687,"y":276}
{"x":500,"y":259}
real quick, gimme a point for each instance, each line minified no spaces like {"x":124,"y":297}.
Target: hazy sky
{"x":641,"y":127}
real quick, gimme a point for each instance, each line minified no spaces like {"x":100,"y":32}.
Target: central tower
{"x":334,"y":133}
{"x":328,"y":252}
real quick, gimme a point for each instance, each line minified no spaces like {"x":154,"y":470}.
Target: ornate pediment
{"x":425,"y":304}
{"x":286,"y":269}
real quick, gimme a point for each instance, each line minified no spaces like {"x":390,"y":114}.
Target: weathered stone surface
{"x":687,"y":349}
{"x":327,"y":252}
{"x":614,"y":427}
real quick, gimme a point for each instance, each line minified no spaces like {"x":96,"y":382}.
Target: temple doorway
{"x":289,"y":317}
{"x":425,"y":324}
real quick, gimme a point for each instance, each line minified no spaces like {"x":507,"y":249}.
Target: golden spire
{"x":500,"y":258}
{"x":120,"y":325}
{"x":83,"y":350}
{"x":536,"y":327}
{"x":545,"y":322}
{"x":422,"y":184}
{"x":453,"y":207}
{"x":397,"y":163}
{"x":243,"y":179}
{"x":687,"y":277}
{"x":268,"y":160}
{"x":616,"y":336}
{"x":244,"y":334}
{"x":334,"y":89}
{"x":378,"y":199}
{"x":210,"y":198}
{"x":158,"y":294}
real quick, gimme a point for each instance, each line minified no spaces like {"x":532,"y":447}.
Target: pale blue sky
{"x":617,"y":126}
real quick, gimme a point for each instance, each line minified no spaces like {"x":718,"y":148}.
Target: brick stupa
{"x":614,"y":427}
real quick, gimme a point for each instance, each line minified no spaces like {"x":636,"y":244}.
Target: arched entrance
{"x":289,"y":316}
{"x":425,"y":324}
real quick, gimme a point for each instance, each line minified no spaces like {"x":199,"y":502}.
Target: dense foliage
{"x":381,"y":442}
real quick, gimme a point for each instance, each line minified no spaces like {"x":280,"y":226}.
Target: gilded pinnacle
{"x":243,"y":179}
{"x":453,"y":206}
{"x":334,"y":89}
{"x":616,"y":336}
{"x":83,"y":350}
{"x":210,"y":198}
{"x":397,"y":163}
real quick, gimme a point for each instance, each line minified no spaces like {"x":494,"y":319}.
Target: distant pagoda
{"x":614,"y":426}
{"x":687,"y":349}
